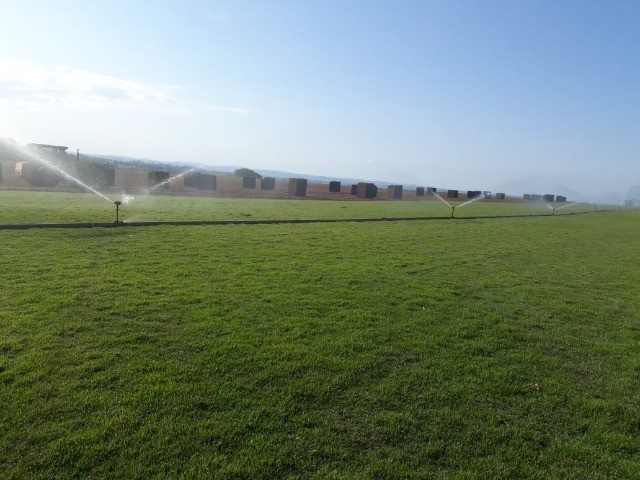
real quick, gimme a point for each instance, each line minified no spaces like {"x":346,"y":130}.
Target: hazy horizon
{"x":479,"y":96}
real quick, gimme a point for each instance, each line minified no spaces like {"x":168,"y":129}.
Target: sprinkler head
{"x":453,"y":211}
{"x":117,"y":204}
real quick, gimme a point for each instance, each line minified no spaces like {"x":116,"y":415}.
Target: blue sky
{"x":484,"y":95}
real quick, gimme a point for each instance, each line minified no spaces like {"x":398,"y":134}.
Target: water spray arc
{"x":577,"y":203}
{"x":441,"y":199}
{"x":126,"y":199}
{"x":171,"y":179}
{"x":453,"y":207}
{"x":567,"y":205}
{"x":469,"y":201}
{"x":56,"y":168}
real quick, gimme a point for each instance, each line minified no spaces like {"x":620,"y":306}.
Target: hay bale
{"x":248,"y":182}
{"x":37,"y":175}
{"x":207,"y":181}
{"x":395,"y":192}
{"x":366,"y":190}
{"x":298,"y":187}
{"x":157,"y":178}
{"x":268,"y":183}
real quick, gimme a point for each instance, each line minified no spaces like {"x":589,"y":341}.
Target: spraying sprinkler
{"x":117,"y":204}
{"x":453,"y":210}
{"x":595,"y":207}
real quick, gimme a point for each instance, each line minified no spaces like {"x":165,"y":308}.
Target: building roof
{"x":49,"y":147}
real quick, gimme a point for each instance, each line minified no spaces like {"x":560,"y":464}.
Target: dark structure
{"x":527,"y":197}
{"x":366,"y":190}
{"x":248,"y":182}
{"x":431,"y":191}
{"x":201,"y":181}
{"x":395,"y":192}
{"x":548,"y":198}
{"x":500,"y":196}
{"x":208,"y":182}
{"x":97,"y":175}
{"x":354,"y":189}
{"x":267,"y":183}
{"x":420,"y":191}
{"x":452,"y":194}
{"x":191,"y":179}
{"x":334,"y":186}
{"x":561,"y":198}
{"x":298,"y":187}
{"x":473,"y":194}
{"x":486,"y":194}
{"x":49,"y":151}
{"x":37,"y":175}
{"x":157,"y":177}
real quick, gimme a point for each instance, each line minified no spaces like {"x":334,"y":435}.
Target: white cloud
{"x":28,"y":85}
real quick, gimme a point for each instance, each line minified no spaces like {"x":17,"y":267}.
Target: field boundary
{"x":26,"y":226}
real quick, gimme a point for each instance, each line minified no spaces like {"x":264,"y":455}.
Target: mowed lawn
{"x":497,"y":348}
{"x":46,"y":207}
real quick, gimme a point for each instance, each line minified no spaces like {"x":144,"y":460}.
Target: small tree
{"x":246,"y":172}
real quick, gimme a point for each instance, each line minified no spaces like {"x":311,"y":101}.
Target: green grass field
{"x":496,"y":348}
{"x":37,"y":207}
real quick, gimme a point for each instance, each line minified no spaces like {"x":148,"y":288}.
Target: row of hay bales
{"x":532,"y":197}
{"x":111,"y":179}
{"x":20,"y":172}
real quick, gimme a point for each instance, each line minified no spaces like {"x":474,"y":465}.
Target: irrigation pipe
{"x":26,"y":226}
